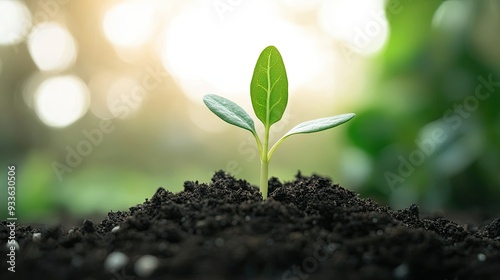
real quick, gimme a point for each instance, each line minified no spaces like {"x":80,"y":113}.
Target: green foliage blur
{"x":432,"y":130}
{"x":426,"y":131}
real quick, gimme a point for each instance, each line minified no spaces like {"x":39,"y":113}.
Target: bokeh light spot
{"x":129,"y":24}
{"x":452,"y":15}
{"x":15,"y":21}
{"x":125,"y":97}
{"x":52,"y":47}
{"x":60,"y":101}
{"x":99,"y":85}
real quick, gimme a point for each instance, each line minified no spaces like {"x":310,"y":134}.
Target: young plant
{"x":269,"y":94}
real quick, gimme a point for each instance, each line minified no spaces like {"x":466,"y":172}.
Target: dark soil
{"x":307,"y":229}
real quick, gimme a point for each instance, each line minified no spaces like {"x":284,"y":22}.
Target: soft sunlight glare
{"x":361,"y":24}
{"x":52,"y":47}
{"x":301,"y":5}
{"x":209,"y":55}
{"x":15,"y":21}
{"x":129,"y":24}
{"x":60,"y":101}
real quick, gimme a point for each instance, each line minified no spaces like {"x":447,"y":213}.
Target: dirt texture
{"x":308,"y":229}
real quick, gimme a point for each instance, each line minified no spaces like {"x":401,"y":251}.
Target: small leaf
{"x":229,"y":112}
{"x":269,"y":87}
{"x":319,"y":124}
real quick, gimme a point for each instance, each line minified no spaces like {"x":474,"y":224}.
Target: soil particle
{"x":309,"y":228}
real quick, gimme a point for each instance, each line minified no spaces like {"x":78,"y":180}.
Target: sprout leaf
{"x":319,"y":124}
{"x":229,"y":112}
{"x":269,"y":87}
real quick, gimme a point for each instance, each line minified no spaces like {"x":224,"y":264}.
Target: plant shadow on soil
{"x":308,"y":229}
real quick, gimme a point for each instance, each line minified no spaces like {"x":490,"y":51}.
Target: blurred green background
{"x":100,"y":101}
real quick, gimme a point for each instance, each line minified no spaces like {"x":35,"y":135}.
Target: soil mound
{"x":308,"y":229}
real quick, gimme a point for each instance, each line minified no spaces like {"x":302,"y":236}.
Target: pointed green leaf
{"x":319,"y":124}
{"x":269,"y":87}
{"x":229,"y":112}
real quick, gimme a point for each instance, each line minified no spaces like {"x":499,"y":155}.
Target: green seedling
{"x":269,"y":94}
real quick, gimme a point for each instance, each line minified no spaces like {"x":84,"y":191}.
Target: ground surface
{"x":307,"y":229}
